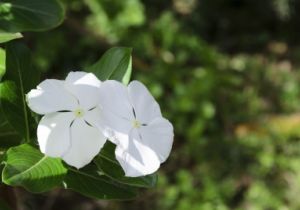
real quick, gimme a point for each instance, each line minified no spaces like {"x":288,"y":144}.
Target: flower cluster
{"x":81,"y":112}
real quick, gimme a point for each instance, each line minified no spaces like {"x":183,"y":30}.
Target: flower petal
{"x":86,"y":142}
{"x":114,"y":99}
{"x":51,"y":96}
{"x":84,"y":86}
{"x":115,"y":128}
{"x":158,"y":135}
{"x":145,"y":106}
{"x":94,"y":117}
{"x":110,"y":125}
{"x":53,"y":133}
{"x":136,"y":158}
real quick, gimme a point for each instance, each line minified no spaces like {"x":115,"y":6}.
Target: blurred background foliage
{"x":226,"y":73}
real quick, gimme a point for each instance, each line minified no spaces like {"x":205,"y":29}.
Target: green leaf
{"x":12,"y":106}
{"x":19,"y":78}
{"x":8,"y":136}
{"x":30,"y":15}
{"x":114,"y":64}
{"x":90,"y":182}
{"x":6,"y":36}
{"x":26,"y":166}
{"x":19,"y":67}
{"x":107,"y":163}
{"x":2,"y":63}
{"x":1,"y":165}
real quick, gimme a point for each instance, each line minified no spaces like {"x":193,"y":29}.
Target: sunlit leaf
{"x":26,"y":166}
{"x":114,"y":64}
{"x":6,"y":36}
{"x":2,"y":63}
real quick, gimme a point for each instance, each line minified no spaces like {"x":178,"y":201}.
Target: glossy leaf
{"x":114,"y":64}
{"x":30,"y":15}
{"x":90,"y":182}
{"x":19,"y":78}
{"x":26,"y":166}
{"x":6,"y":36}
{"x":107,"y":163}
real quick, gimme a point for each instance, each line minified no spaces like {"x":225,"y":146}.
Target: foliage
{"x":228,"y":153}
{"x":28,"y":167}
{"x":24,"y":164}
{"x":115,"y":64}
{"x":7,"y":36}
{"x":228,"y":78}
{"x":33,"y":15}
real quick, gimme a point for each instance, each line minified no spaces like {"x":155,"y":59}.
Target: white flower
{"x":134,"y":123}
{"x":68,"y":129}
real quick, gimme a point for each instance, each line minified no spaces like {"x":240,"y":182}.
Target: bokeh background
{"x":226,"y":74}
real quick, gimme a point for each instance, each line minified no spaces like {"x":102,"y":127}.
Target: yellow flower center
{"x":136,"y":124}
{"x":79,"y":112}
